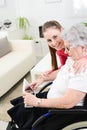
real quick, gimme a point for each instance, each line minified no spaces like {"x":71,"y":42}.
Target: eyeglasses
{"x":68,"y":48}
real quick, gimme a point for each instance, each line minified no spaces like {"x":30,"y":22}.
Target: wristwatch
{"x":38,"y":102}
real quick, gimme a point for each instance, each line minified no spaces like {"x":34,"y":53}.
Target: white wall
{"x":8,"y":10}
{"x":38,"y":12}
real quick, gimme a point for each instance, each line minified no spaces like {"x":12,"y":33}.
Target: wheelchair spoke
{"x":77,"y":126}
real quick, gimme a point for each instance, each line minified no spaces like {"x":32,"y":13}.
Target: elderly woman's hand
{"x":80,"y":65}
{"x":29,"y":99}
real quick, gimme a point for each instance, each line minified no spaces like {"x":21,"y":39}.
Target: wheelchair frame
{"x":81,"y":125}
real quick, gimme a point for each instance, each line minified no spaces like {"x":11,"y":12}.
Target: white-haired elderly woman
{"x":68,"y":89}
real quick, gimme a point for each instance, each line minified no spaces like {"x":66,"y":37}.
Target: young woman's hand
{"x":80,"y":65}
{"x":49,"y":75}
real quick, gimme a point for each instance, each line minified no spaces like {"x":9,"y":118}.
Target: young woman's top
{"x":62,"y":56}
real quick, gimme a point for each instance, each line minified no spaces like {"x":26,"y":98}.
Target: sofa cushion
{"x":4,"y":46}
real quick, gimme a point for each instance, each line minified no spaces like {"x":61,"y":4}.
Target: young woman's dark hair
{"x":47,"y":25}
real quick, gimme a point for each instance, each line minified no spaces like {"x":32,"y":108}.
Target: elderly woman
{"x":68,"y":89}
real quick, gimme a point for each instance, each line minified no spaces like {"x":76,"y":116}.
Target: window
{"x":2,"y":2}
{"x":52,"y":1}
{"x":80,"y":7}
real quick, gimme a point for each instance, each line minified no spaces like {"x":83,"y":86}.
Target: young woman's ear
{"x":62,"y":29}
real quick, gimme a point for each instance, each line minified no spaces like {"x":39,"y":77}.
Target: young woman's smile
{"x":52,"y":35}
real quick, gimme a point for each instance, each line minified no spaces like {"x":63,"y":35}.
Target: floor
{"x":3,"y":125}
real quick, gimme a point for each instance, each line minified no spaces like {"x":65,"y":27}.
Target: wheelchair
{"x":65,"y":123}
{"x":76,"y":124}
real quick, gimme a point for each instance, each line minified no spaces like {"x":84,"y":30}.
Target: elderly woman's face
{"x":75,"y":52}
{"x":52,"y":36}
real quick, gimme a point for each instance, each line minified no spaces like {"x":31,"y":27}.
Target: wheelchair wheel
{"x":77,"y":126}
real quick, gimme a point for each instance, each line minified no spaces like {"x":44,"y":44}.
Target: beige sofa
{"x":16,"y":63}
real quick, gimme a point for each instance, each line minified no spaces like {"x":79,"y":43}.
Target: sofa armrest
{"x":22,"y":45}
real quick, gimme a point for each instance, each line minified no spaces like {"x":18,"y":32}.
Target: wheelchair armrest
{"x":45,"y":86}
{"x":40,"y":119}
{"x":75,"y":110}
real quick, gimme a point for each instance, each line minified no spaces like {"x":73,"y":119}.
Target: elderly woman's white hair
{"x":76,"y":35}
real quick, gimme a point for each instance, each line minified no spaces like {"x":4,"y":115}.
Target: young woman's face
{"x":52,"y":36}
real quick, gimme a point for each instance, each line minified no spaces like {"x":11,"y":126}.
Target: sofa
{"x":16,"y":60}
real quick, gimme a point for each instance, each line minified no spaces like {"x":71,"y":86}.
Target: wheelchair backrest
{"x":85,"y":101}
